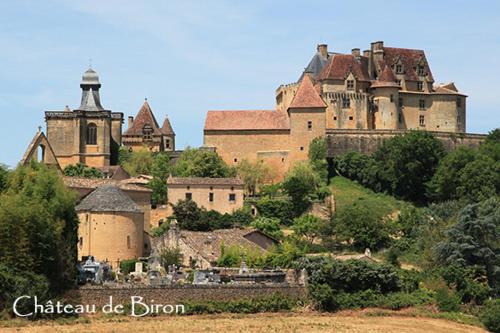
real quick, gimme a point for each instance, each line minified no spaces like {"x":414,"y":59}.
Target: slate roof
{"x":340,"y":65}
{"x":143,"y":117}
{"x":246,"y":120}
{"x":307,"y":96}
{"x":204,"y":181}
{"x":89,"y":183}
{"x":108,"y":198}
{"x":316,"y":65}
{"x":410,"y":58}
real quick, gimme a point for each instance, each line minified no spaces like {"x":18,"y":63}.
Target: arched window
{"x":91,"y":134}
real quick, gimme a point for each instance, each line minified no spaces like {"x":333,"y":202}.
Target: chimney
{"x":323,"y":50}
{"x":130,"y":121}
{"x":356,"y":52}
{"x":378,"y":46}
{"x":366,"y":53}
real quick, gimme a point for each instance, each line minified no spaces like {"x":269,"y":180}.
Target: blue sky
{"x":188,"y":57}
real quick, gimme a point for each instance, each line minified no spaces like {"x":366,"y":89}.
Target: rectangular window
{"x":421,"y":104}
{"x":346,"y":102}
{"x":400,"y":102}
{"x":232,"y":197}
{"x":400,"y":117}
{"x":399,"y":69}
{"x":420,"y":70}
{"x":167,"y":144}
{"x":309,"y":125}
{"x":421,"y":120}
{"x":459,"y":102}
{"x":128,"y":242}
{"x":211,"y":197}
{"x":350,"y":85}
{"x":392,"y":98}
{"x":189,"y":196}
{"x":351,"y":117}
{"x":398,"y":82}
{"x":420,"y":86}
{"x":459,"y":120}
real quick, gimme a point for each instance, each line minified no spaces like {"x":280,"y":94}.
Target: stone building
{"x":202,"y":249}
{"x":348,"y":98}
{"x":144,"y":131}
{"x":224,"y":195}
{"x":90,"y":134}
{"x":111,"y":226}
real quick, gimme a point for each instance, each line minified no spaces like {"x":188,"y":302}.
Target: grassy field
{"x":346,"y":192}
{"x":345,"y":322}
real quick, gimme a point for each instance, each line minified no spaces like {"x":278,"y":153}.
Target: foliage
{"x":301,"y":184}
{"x":138,"y":162}
{"x":254,"y":175}
{"x":127,"y":266}
{"x":4,"y":173}
{"x":38,"y":225}
{"x":202,"y":163}
{"x":242,"y":217}
{"x":268,"y":225}
{"x":283,"y":255}
{"x":447,"y":300}
{"x":273,"y":303}
{"x":491,"y":145}
{"x":317,"y":157}
{"x":358,"y":225}
{"x":479,"y":179}
{"x":490,"y":316}
{"x":408,"y":162}
{"x":308,"y":226}
{"x":171,"y":256}
{"x":470,"y":282}
{"x":279,"y":208}
{"x":188,"y":214}
{"x":161,"y":229}
{"x":474,"y":240}
{"x":231,"y":256}
{"x":160,"y":170}
{"x":81,"y":170}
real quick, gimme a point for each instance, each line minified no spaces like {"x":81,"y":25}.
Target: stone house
{"x":144,"y":131}
{"x":203,"y":249}
{"x":111,"y":226}
{"x":224,"y":195}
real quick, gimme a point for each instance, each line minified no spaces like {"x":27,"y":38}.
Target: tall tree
{"x":301,"y":184}
{"x":160,"y":170}
{"x":254,"y":174}
{"x":317,"y":157}
{"x":202,"y":163}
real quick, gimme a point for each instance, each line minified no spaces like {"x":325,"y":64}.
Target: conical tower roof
{"x":144,"y":117}
{"x":307,"y":96}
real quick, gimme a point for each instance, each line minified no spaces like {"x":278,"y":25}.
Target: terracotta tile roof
{"x":386,"y":79}
{"x":204,"y":181}
{"x":89,"y":183}
{"x":410,"y":58}
{"x":108,"y":198}
{"x":167,"y":127}
{"x":246,"y":120}
{"x":340,"y":65}
{"x":208,"y":244}
{"x":307,"y":96}
{"x":144,"y":116}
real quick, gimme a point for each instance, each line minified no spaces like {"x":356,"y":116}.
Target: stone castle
{"x":354,"y":100}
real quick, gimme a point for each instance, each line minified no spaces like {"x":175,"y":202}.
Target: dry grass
{"x":352,"y":322}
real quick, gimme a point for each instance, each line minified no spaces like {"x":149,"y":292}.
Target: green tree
{"x":139,"y":162}
{"x":317,"y":157}
{"x":268,"y":226}
{"x":188,"y":214}
{"x":491,"y":145}
{"x":4,"y":173}
{"x":254,"y":174}
{"x":160,"y":170}
{"x":474,"y":240}
{"x":202,"y":163}
{"x":445,"y":182}
{"x":359,"y":225}
{"x":409,"y":161}
{"x":81,"y":170}
{"x":308,"y":226}
{"x":301,"y":184}
{"x":280,"y":208}
{"x":171,"y":256}
{"x":38,"y":225}
{"x":479,"y":179}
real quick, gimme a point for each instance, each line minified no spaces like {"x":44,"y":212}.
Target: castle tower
{"x":386,"y":99}
{"x":90,"y":134}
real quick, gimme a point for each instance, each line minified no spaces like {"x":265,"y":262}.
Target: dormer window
{"x":420,"y":70}
{"x":350,"y":84}
{"x":147,"y":132}
{"x":399,"y":69}
{"x":420,"y":86}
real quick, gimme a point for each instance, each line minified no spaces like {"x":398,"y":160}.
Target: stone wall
{"x":99,"y":295}
{"x":367,"y":141}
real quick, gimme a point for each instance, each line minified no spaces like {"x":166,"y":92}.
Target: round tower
{"x":386,"y":98}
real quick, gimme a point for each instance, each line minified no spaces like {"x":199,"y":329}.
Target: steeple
{"x":90,"y":92}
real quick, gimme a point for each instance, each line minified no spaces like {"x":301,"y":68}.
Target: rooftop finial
{"x":145,"y":99}
{"x":39,"y":128}
{"x":90,"y":62}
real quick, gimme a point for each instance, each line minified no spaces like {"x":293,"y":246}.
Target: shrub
{"x":171,"y":256}
{"x":81,"y":170}
{"x":127,"y":266}
{"x":447,"y":300}
{"x":490,"y":315}
{"x":270,"y":226}
{"x":279,"y":208}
